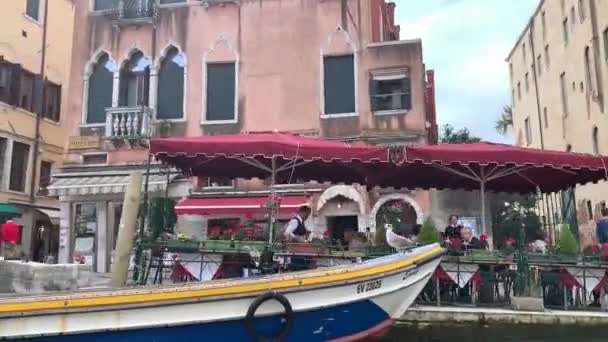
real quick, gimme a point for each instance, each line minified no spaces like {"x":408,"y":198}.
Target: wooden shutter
{"x":15,"y":84}
{"x":38,"y":102}
{"x":339,"y":84}
{"x":220,"y":91}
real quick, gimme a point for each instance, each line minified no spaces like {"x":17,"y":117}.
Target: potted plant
{"x":568,"y":248}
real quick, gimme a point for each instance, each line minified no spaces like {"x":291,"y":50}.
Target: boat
{"x":343,"y":303}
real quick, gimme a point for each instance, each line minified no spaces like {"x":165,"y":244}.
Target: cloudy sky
{"x":466,"y":43}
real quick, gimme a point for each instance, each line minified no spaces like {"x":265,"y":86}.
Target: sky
{"x":466,"y":42}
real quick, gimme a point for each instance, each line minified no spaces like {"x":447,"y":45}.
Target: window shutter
{"x":57,"y":114}
{"x":339,"y":84}
{"x":220,"y":91}
{"x":38,"y":106}
{"x":407,"y":89}
{"x":15,"y":84}
{"x":373,"y":91}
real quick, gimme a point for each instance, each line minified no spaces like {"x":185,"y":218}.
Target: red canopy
{"x":250,"y":155}
{"x":500,"y":167}
{"x":235,"y":205}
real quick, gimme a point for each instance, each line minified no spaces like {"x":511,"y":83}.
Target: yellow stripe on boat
{"x":135,"y":296}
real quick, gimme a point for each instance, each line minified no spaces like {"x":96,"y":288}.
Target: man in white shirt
{"x":296,"y":230}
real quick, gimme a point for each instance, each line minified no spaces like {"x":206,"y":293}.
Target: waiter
{"x":296,"y":232}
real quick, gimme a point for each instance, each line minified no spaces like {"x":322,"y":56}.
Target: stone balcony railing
{"x":128,"y":123}
{"x":126,"y":12}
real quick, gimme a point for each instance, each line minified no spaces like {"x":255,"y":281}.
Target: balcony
{"x":128,"y":12}
{"x":129,"y":125}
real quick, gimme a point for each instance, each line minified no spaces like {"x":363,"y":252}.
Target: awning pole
{"x":482,"y":195}
{"x":271,"y":217}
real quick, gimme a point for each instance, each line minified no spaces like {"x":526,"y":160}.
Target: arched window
{"x":596,"y":147}
{"x":171,"y":86}
{"x":588,"y":75}
{"x":135,"y":81}
{"x":100,"y":90}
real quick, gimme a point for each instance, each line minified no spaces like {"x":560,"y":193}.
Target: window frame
{"x":27,"y":174}
{"x":56,"y":116}
{"x":44,"y":191}
{"x":565,"y":31}
{"x":325,"y":115}
{"x":90,"y":69}
{"x":205,"y":118}
{"x":91,"y":154}
{"x":393,"y":74}
{"x":156,"y":75}
{"x":94,"y":11}
{"x":27,"y":15}
{"x":605,"y":39}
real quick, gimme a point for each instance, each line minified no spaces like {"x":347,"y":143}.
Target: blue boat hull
{"x":344,"y":321}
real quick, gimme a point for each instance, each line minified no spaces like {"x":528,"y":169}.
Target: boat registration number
{"x":369,"y":286}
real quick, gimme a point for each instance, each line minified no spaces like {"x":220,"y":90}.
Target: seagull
{"x":397,"y":241}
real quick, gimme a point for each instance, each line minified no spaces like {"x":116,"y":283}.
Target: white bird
{"x":395,"y":240}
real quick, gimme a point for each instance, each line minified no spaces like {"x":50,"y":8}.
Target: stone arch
{"x":88,"y":67}
{"x":166,"y":50}
{"x":342,"y":190}
{"x":336,"y":39}
{"x":223,"y":48}
{"x":129,"y":55}
{"x":391,"y":197}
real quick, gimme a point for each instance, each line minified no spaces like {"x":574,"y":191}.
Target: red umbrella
{"x":488,"y":166}
{"x":282,"y":155}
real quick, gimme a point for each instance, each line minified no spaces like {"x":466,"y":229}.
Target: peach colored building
{"x":140,"y":68}
{"x":32,"y":125}
{"x":559,"y":76}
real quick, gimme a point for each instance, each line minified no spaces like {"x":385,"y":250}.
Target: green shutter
{"x":170,"y":91}
{"x":220,"y":91}
{"x":339,"y":84}
{"x":100,"y":92}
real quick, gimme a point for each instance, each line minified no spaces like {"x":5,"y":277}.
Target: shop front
{"x":91,"y":207}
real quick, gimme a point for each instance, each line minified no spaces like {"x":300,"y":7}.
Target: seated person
{"x":452,"y":231}
{"x":468,"y":240}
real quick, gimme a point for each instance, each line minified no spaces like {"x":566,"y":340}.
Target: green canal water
{"x":500,"y":333}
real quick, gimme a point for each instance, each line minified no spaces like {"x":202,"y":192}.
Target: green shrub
{"x":567,"y":242}
{"x":428,"y":232}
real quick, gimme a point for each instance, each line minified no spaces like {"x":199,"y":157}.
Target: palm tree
{"x":505,"y":121}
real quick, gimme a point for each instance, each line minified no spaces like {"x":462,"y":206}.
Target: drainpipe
{"x":42,"y":97}
{"x":534,"y":75}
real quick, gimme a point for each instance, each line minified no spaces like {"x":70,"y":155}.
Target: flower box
{"x":305,"y":248}
{"x":178,"y":246}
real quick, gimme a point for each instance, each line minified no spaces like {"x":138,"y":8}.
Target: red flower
{"x":215,"y":230}
{"x":483,"y":237}
{"x":595,"y":248}
{"x":326,"y":234}
{"x":605,"y":246}
{"x":249,"y":216}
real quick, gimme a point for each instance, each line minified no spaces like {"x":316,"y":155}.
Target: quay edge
{"x":430,"y":315}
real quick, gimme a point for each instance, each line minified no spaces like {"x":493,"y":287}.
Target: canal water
{"x":499,"y":333}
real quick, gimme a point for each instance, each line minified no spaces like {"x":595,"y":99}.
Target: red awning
{"x":500,"y":167}
{"x":235,"y":205}
{"x":297,"y":158}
